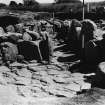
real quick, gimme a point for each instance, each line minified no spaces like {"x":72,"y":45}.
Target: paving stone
{"x":43,"y":73}
{"x":16,"y":64}
{"x":76,"y":75}
{"x":23,"y":91}
{"x":47,"y":80}
{"x":36,"y":68}
{"x":85,"y":86}
{"x":4,"y":69}
{"x":54,"y":67}
{"x":73,"y":86}
{"x":8,"y":77}
{"x":53,"y":72}
{"x":23,"y":73}
{"x":22,"y":81}
{"x":60,"y":92}
{"x":60,"y":80}
{"x":42,"y":81}
{"x":57,"y":53}
{"x":35,"y":83}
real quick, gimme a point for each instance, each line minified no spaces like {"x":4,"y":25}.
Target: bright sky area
{"x":42,"y":1}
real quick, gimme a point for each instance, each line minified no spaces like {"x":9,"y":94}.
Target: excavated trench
{"x":38,"y":84}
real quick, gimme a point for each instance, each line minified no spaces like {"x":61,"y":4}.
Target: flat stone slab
{"x":34,"y":81}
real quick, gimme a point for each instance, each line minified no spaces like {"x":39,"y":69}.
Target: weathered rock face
{"x":28,"y":50}
{"x":9,"y":51}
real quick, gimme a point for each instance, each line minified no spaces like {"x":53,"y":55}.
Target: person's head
{"x":10,"y":28}
{"x":19,"y":27}
{"x":75,"y":23}
{"x":66,"y":23}
{"x":43,"y":27}
{"x":24,"y":29}
{"x":88,"y":26}
{"x":49,"y":28}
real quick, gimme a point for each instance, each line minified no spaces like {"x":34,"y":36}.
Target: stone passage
{"x":36,"y":84}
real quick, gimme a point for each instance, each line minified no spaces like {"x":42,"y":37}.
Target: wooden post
{"x":83,"y":10}
{"x":53,"y":23}
{"x":88,"y":7}
{"x":83,"y":16}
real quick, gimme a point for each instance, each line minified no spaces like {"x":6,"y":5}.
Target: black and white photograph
{"x":52,"y":52}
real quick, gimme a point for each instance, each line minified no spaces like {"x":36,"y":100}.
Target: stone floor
{"x":39,"y":84}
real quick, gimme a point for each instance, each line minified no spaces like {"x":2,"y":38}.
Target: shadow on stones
{"x":8,"y":20}
{"x":83,"y":68}
{"x":63,"y":48}
{"x":69,"y":58}
{"x":28,"y":50}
